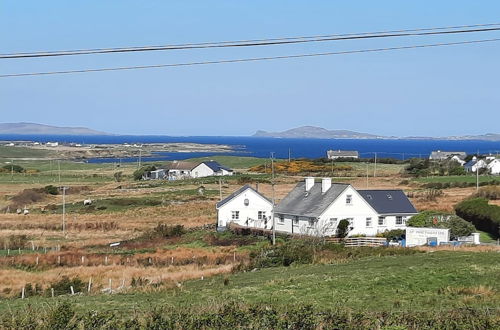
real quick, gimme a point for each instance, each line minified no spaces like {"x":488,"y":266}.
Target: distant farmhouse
{"x":491,"y":164}
{"x":317,"y":208}
{"x":336,"y":154}
{"x":179,"y":170}
{"x":459,"y":156}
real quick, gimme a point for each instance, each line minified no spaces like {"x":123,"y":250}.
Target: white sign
{"x":418,"y":236}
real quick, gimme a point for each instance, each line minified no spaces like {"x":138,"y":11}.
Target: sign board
{"x":420,"y":236}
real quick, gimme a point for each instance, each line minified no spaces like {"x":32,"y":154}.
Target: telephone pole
{"x":272,"y":186}
{"x":64,"y":210}
{"x":375,"y":166}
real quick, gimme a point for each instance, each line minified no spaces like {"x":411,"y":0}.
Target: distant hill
{"x":317,"y":133}
{"x":40,"y":129}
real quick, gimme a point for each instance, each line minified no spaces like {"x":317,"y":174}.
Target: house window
{"x":400,"y":220}
{"x":381,"y":221}
{"x":389,"y":196}
{"x":261,"y":215}
{"x":281,"y":219}
{"x":368,"y":222}
{"x":295,"y":220}
{"x":332,"y":223}
{"x":311,"y":222}
{"x":348,"y":199}
{"x":235,"y":215}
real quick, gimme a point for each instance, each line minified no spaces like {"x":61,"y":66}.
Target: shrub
{"x":394,"y":234}
{"x":489,"y":192}
{"x":14,"y":242}
{"x":485,"y":217}
{"x":458,"y":226}
{"x":14,"y":168}
{"x":63,"y":286}
{"x":51,"y":190}
{"x":343,"y":228}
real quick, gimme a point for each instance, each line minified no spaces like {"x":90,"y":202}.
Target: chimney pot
{"x":309,"y":183}
{"x":326,"y":183}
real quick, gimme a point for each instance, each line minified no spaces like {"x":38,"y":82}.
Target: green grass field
{"x":6,"y":153}
{"x":430,"y":281}
{"x":234,"y":162}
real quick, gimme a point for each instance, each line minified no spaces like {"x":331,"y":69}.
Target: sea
{"x":281,"y":148}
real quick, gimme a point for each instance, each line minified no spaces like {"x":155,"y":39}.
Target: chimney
{"x":257,"y":186}
{"x":309,"y":183}
{"x":326,"y":183}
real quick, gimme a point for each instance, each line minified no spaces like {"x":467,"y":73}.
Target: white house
{"x":444,"y":155}
{"x":245,"y":207}
{"x":494,"y":166}
{"x":335,"y":154}
{"x":316,"y":209}
{"x":180,"y":170}
{"x":474,"y":164}
{"x":210,"y":168}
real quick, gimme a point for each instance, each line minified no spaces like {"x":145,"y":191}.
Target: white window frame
{"x":261,"y":215}
{"x":402,"y":223}
{"x":369,"y":222}
{"x":295,"y":221}
{"x":281,"y":219}
{"x":311,"y":222}
{"x":348,"y":199}
{"x":333,"y":222}
{"x":383,"y":221}
{"x":235,"y":215}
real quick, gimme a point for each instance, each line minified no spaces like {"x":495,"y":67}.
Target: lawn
{"x":439,"y":280}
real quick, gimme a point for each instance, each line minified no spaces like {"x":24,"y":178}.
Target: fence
{"x":365,"y":241}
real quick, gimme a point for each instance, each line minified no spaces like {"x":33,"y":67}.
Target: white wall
{"x":256,"y":203}
{"x":494,"y":167}
{"x":201,"y":171}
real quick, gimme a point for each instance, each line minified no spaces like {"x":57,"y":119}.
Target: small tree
{"x":118,"y":176}
{"x":14,"y":168}
{"x":458,"y":226}
{"x":343,"y":228}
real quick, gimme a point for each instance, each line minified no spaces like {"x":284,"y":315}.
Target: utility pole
{"x":367,"y":175}
{"x":220,"y":189}
{"x":140,"y":156}
{"x":375,"y":166}
{"x":59,"y":169}
{"x":477,"y":171}
{"x":289,"y":155}
{"x":64,"y":210}
{"x":272,"y":185}
{"x":12,"y":170}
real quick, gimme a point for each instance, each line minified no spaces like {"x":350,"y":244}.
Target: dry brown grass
{"x":469,"y":248}
{"x":13,"y":279}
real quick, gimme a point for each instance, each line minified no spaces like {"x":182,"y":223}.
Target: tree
{"x":343,"y":228}
{"x":458,"y":226}
{"x":138,"y":174}
{"x":118,"y":176}
{"x":13,"y":168}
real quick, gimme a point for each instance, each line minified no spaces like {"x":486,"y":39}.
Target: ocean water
{"x":262,"y":147}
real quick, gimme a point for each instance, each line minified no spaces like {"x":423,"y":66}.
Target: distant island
{"x":40,"y":129}
{"x":313,"y":132}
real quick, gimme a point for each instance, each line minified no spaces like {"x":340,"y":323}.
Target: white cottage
{"x":494,"y":166}
{"x":245,"y":207}
{"x":210,"y":168}
{"x":316,"y":209}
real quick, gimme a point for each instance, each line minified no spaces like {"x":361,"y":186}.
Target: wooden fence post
{"x":90,"y":285}
{"x":59,"y":260}
{"x":37,"y":260}
{"x":72,"y":290}
{"x":52,"y":292}
{"x":106,"y":260}
{"x":22,"y":293}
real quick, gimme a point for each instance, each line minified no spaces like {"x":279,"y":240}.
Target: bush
{"x":458,"y":226}
{"x":489,"y":192}
{"x":394,"y":234}
{"x":51,"y":190}
{"x":343,"y":228}
{"x":63,"y":286}
{"x":483,"y":216}
{"x":14,"y":242}
{"x":138,"y":174}
{"x":14,"y":168}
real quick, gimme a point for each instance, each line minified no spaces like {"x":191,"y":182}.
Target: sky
{"x":426,"y":92}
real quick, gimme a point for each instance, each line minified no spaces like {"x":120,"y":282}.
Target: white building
{"x":245,"y":207}
{"x":210,"y":168}
{"x":444,"y":155}
{"x":336,"y":154}
{"x":317,"y":208}
{"x":494,"y":166}
{"x":180,"y":170}
{"x":474,"y":164}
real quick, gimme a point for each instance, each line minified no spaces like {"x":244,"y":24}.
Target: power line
{"x":253,"y":59}
{"x":265,"y":42}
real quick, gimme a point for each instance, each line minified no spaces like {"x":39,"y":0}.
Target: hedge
{"x":483,"y":216}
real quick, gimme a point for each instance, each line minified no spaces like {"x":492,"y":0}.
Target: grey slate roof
{"x":239,"y":191}
{"x":388,"y":201}
{"x":181,"y":165}
{"x":216,"y":167}
{"x":312,"y":204}
{"x":442,"y":155}
{"x":342,"y":153}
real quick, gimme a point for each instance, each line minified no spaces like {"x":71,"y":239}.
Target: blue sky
{"x":428,"y":92}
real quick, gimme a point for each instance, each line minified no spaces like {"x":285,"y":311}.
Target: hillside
{"x":317,"y":133}
{"x":41,"y":129}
